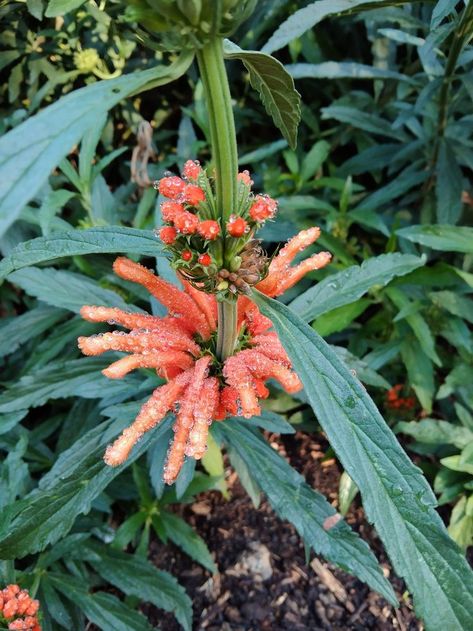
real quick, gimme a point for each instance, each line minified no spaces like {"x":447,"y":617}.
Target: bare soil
{"x":265,"y":581}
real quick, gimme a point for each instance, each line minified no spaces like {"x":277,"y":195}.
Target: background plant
{"x":388,"y":156}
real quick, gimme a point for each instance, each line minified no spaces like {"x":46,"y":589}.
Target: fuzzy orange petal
{"x":151,"y":413}
{"x":176,"y":301}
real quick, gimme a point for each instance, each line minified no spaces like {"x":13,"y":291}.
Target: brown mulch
{"x":265,"y":581}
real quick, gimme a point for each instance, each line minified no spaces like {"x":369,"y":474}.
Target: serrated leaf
{"x":311,"y":514}
{"x":106,"y":611}
{"x":275,"y":86}
{"x":440,"y":237}
{"x":136,"y":576}
{"x":18,"y":330}
{"x":32,"y":149}
{"x":350,"y":284}
{"x":185,"y":537}
{"x":78,"y":477}
{"x":396,"y":496}
{"x":304,"y":19}
{"x":78,"y":242}
{"x":77,"y":377}
{"x":66,"y":290}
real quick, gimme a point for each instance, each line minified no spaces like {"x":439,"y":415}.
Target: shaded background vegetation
{"x":385,"y":150}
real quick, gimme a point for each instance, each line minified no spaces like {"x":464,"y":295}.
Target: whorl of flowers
{"x":181,"y":347}
{"x":18,"y":609}
{"x":198,"y":241}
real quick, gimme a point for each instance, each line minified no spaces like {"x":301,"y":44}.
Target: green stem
{"x":461,"y":36}
{"x":225,"y":159}
{"x":227,"y":329}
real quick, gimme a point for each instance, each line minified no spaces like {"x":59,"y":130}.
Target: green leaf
{"x":420,"y":371}
{"x":347,"y":491}
{"x":449,"y":185}
{"x":433,"y":432}
{"x":77,"y":377}
{"x":104,"y":610}
{"x":440,"y":237}
{"x":453,"y":303}
{"x":362,"y":370}
{"x":60,"y":7}
{"x":416,"y":322}
{"x":350,"y":284}
{"x":304,"y":19}
{"x":77,"y":478}
{"x":66,"y":290}
{"x":396,"y":496}
{"x":77,"y":242}
{"x":461,"y":524}
{"x":362,"y":120}
{"x":314,"y":159}
{"x":340,"y":318}
{"x":30,"y":151}
{"x":136,"y":576}
{"x":262,"y":152}
{"x":313,"y":517}
{"x":185,"y":537}
{"x":275,"y":86}
{"x":344,"y":70}
{"x":18,"y":330}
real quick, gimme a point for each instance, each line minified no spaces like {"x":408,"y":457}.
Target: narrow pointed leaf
{"x":75,"y":242}
{"x":440,"y":237}
{"x":396,"y":496}
{"x":138,"y":577}
{"x":275,"y":86}
{"x":350,"y":284}
{"x":293,"y":499}
{"x":304,"y":19}
{"x":66,"y":290}
{"x":78,"y":477}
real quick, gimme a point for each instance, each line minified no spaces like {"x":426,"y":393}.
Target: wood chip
{"x":332,"y":583}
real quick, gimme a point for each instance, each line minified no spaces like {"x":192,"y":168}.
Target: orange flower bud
{"x":193,"y":195}
{"x":244,"y":177}
{"x":208,"y":229}
{"x":263,"y":208}
{"x":171,"y":186}
{"x":192,"y":170}
{"x":168,"y":235}
{"x":186,"y":222}
{"x":186,"y":255}
{"x":170,"y":210}
{"x":237,"y":227}
{"x":205,"y":259}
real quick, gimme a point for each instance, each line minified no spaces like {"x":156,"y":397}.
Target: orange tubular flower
{"x":18,"y":609}
{"x":199,"y":388}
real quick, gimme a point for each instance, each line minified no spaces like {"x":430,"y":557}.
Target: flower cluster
{"x":395,"y":402}
{"x":181,"y":348}
{"x":18,"y":609}
{"x":193,"y":232}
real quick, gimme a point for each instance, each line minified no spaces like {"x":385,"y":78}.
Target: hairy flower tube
{"x":18,"y":609}
{"x":200,"y":388}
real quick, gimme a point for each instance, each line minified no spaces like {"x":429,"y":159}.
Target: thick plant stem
{"x":226,"y":335}
{"x":225,"y":159}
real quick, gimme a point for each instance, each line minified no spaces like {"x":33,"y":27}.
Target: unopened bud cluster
{"x":188,"y":24}
{"x":220,"y":258}
{"x":18,"y":610}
